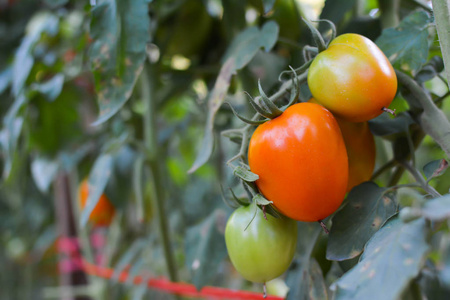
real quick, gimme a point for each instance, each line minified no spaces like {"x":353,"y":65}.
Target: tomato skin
{"x":360,"y":145}
{"x":265,"y":249}
{"x":353,"y":78}
{"x":361,"y":150}
{"x":103,"y":212}
{"x":301,"y":161}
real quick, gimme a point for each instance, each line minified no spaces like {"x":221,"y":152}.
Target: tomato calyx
{"x":317,"y":36}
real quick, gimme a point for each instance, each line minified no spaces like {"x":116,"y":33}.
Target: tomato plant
{"x":353,"y":78}
{"x":290,"y":155}
{"x":103,"y":212}
{"x":260,"y":249}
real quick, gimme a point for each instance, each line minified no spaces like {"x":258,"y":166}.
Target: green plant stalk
{"x":441,"y":10}
{"x":151,"y":146}
{"x":432,"y":120}
{"x":389,"y":13}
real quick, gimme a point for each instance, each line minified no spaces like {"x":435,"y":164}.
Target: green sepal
{"x":226,"y":200}
{"x":258,"y":108}
{"x":260,"y":200}
{"x":273,"y":109}
{"x":245,"y":174}
{"x":317,"y":36}
{"x":244,"y":119}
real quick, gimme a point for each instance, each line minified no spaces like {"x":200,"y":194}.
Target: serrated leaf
{"x":98,"y":178}
{"x":120,"y":30}
{"x":205,"y":248}
{"x":260,"y":200}
{"x":407,"y":46}
{"x":245,"y":174}
{"x":385,"y":125}
{"x":43,"y":172}
{"x":437,"y":209}
{"x":52,"y":88}
{"x":435,"y":168}
{"x":367,"y":208}
{"x":391,"y":260}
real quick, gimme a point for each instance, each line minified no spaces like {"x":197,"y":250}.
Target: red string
{"x":70,"y":245}
{"x":178,"y":288}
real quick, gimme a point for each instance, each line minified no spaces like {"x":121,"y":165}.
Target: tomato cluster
{"x":309,"y":156}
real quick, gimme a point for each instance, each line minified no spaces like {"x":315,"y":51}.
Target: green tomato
{"x":265,"y":249}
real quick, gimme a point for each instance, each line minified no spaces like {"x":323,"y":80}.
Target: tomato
{"x":103,"y":212}
{"x":360,"y":146}
{"x":361,"y":152}
{"x":301,"y":161}
{"x":265,"y":249}
{"x":352,"y":78}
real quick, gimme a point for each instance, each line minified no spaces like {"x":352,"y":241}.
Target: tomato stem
{"x":324,"y":227}
{"x":264,"y":290}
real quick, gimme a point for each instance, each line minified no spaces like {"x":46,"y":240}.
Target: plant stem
{"x":151,"y":146}
{"x":432,"y":120}
{"x":389,"y":12}
{"x":441,"y":11}
{"x":418,"y":177}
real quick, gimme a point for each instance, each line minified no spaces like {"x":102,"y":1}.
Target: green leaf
{"x":43,"y":171}
{"x":247,"y":43}
{"x":437,"y":209}
{"x":120,"y":30}
{"x":98,"y":178}
{"x":367,"y":208}
{"x":24,"y":60}
{"x":245,"y":174}
{"x":444,"y":272}
{"x":299,"y":275}
{"x":205,"y":248}
{"x":51,"y":89}
{"x":217,"y":96}
{"x":5,"y":79}
{"x":335,"y":11}
{"x":268,"y":5}
{"x":391,"y":260}
{"x":307,"y":282}
{"x":435,"y":168}
{"x":385,"y":125}
{"x":407,"y":46}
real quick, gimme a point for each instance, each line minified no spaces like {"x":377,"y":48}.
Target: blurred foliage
{"x":120,"y":91}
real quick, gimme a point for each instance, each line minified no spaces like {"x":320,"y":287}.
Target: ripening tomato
{"x":361,"y":152}
{"x":103,"y":212}
{"x":301,"y":161}
{"x":263,"y":250}
{"x":352,"y":78}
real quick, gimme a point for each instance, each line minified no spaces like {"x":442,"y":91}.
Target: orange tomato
{"x":301,"y":161}
{"x":352,"y":78}
{"x":361,"y":152}
{"x":103,"y":212}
